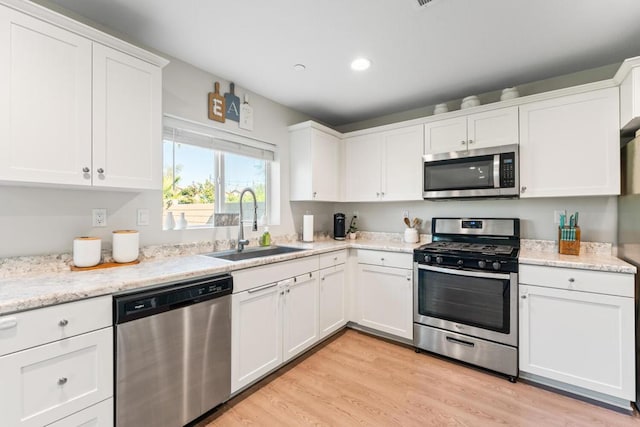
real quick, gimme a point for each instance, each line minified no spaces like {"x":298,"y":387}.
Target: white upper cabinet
{"x":480,"y":130}
{"x":628,"y":76}
{"x":127,"y":110}
{"x":73,"y":111}
{"x":569,"y":146}
{"x":315,"y":163}
{"x":45,"y":102}
{"x":385,"y":166}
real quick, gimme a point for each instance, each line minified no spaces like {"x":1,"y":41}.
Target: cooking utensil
{"x":416,"y":221}
{"x":406,"y":221}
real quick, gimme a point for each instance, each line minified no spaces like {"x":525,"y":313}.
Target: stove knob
{"x":439,"y":260}
{"x":482,"y":264}
{"x":427,"y":258}
{"x":460,"y":263}
{"x":496,"y":265}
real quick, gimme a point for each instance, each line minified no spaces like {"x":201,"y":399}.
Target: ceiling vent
{"x":424,"y":2}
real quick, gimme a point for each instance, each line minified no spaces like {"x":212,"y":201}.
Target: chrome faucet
{"x":242,"y":242}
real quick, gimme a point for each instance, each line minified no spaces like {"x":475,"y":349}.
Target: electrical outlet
{"x":143,"y":217}
{"x":355,"y":213}
{"x":405,"y":214}
{"x":99,"y":217}
{"x":556,"y":216}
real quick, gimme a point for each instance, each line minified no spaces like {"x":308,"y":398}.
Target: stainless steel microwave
{"x":480,"y":173}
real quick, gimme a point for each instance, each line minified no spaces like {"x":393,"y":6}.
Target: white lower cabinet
{"x":46,"y":383}
{"x":386,"y":299}
{"x":300,"y":320}
{"x":256,"y":331}
{"x":577,"y":338}
{"x":333,"y":305}
{"x":98,"y":415}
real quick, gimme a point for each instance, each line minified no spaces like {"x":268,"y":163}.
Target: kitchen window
{"x":205,"y":169}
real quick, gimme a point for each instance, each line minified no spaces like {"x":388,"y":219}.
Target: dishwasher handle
{"x":133,"y":306}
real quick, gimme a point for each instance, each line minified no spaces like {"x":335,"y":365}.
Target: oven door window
{"x":459,"y":174}
{"x":474,"y":301}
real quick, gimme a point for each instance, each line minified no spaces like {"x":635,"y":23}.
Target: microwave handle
{"x":496,"y":170}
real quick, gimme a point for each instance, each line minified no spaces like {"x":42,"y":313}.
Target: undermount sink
{"x":250,"y":253}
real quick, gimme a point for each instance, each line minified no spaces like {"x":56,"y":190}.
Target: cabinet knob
{"x":382,"y":194}
{"x":322,"y":279}
{"x":310,"y":274}
{"x":523,"y":189}
{"x":463,"y":142}
{"x":100,"y":170}
{"x":85,"y":169}
{"x":523,"y":297}
{"x":377,"y":194}
{"x":282,"y":293}
{"x":62,"y":380}
{"x":63,"y":323}
{"x":571,"y":280}
{"x":335,"y":258}
{"x":288,"y":290}
{"x":471,"y":141}
{"x":408,"y":279}
{"x":381,"y":259}
{"x":314,"y":194}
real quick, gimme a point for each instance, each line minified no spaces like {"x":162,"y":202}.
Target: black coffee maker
{"x":339,"y":226}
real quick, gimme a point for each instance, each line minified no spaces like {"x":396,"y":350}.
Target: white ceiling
{"x":420,"y":55}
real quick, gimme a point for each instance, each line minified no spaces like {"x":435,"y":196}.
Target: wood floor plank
{"x":355,"y":379}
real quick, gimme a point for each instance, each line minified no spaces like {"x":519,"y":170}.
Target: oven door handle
{"x":504,"y":276}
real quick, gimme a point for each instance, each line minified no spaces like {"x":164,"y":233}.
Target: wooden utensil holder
{"x":569,"y":247}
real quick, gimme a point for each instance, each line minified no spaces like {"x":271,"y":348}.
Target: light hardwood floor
{"x":356,"y":379}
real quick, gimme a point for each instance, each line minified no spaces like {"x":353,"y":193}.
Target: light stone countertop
{"x":43,"y":289}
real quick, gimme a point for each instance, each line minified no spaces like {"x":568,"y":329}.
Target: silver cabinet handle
{"x":85,"y":169}
{"x":100,"y":170}
{"x":8,"y":323}
{"x":262,"y":288}
{"x":63,"y":323}
{"x":523,"y":189}
{"x":571,"y":280}
{"x":62,"y":380}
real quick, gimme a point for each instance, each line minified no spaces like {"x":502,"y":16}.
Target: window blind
{"x":194,"y":133}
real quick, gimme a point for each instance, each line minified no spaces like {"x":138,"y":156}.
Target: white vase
{"x":181,"y":222}
{"x":169,"y":222}
{"x":411,"y":235}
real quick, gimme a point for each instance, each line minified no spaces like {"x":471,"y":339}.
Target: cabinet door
{"x":45,"y":102}
{"x":493,"y":128}
{"x":386,"y":299}
{"x":256,"y":340}
{"x":98,"y":415}
{"x":402,"y":164}
{"x":127,"y":126}
{"x":300,"y":314}
{"x":569,"y":146}
{"x":325,"y":152}
{"x":578,"y":338}
{"x":43,"y":384}
{"x":362,"y":168}
{"x":445,"y":135}
{"x":332,"y":300}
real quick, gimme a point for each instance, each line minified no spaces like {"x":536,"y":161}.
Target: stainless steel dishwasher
{"x":173,"y":352}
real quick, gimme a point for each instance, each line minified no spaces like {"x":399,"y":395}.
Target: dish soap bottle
{"x":265,"y":239}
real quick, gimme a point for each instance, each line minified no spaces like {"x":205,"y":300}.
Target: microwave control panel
{"x":507,"y":170}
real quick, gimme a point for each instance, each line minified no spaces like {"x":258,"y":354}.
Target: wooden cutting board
{"x":232,"y":104}
{"x":216,"y":104}
{"x":246,"y":114}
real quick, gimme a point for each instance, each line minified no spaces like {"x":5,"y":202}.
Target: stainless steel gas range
{"x":465,"y":292}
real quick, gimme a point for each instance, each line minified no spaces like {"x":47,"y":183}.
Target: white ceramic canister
{"x":411,"y":235}
{"x":87,"y":251}
{"x":125,"y":245}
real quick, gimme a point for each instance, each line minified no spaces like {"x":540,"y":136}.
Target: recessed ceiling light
{"x":360,"y":64}
{"x":299,"y":67}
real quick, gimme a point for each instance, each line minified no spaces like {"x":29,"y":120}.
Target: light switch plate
{"x":143,"y":217}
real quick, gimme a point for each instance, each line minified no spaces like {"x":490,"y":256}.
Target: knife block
{"x":569,"y":240}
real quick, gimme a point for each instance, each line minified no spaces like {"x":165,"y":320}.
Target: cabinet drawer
{"x":252,"y":277}
{"x":98,"y":415}
{"x":601,"y":282}
{"x":333,"y":258}
{"x":19,"y":331}
{"x":46,"y":383}
{"x":386,"y":259}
